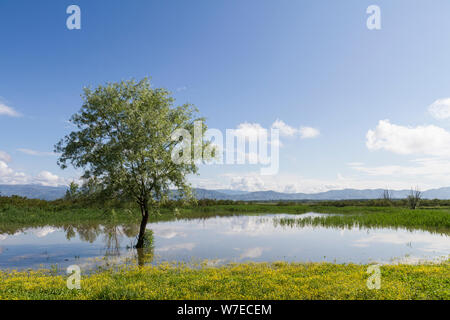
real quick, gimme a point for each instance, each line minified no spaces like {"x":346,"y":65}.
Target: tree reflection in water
{"x":145,"y":255}
{"x":112,"y":238}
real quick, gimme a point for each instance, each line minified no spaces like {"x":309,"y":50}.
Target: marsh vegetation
{"x":218,"y":234}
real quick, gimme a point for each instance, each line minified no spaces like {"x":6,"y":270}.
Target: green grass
{"x":242,"y":281}
{"x":429,"y":220}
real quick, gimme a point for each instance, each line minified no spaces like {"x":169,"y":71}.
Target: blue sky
{"x":309,"y":64}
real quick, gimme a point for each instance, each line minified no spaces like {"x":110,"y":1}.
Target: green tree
{"x":125,"y":146}
{"x":72,"y":192}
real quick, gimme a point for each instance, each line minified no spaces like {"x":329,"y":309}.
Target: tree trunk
{"x":140,"y":242}
{"x":140,"y":256}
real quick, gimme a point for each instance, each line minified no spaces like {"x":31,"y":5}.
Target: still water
{"x":219,"y":240}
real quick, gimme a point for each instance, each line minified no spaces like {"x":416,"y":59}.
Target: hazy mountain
{"x":33,"y":191}
{"x":52,"y":193}
{"x":231,"y":192}
{"x":345,"y":194}
{"x":441,"y":193}
{"x":211,"y":194}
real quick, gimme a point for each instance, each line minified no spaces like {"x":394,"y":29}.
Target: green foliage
{"x":124,"y":145}
{"x":73,"y":192}
{"x":148,"y":239}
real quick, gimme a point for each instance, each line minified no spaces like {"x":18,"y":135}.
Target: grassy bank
{"x":244,"y":281}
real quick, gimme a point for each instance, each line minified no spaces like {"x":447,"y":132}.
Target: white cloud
{"x":252,"y":253}
{"x":428,"y":140}
{"x":440,"y":109}
{"x":288,"y":131}
{"x":10,"y":176}
{"x":251,"y":131}
{"x":285,"y":130}
{"x":308,"y":132}
{"x":8,"y":111}
{"x":36,"y":153}
{"x":248,"y":183}
{"x":166,"y":232}
{"x":183,"y":88}
{"x":365,"y":177}
{"x":4,"y":169}
{"x":181,"y":246}
{"x":434,"y":170}
{"x":254,"y":181}
{"x":423,"y":241}
{"x":47,"y":178}
{"x":290,"y":183}
{"x":45,"y":231}
{"x":4,"y":156}
{"x":205,"y":183}
{"x":355,"y":164}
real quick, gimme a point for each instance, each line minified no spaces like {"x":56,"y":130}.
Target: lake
{"x":219,"y":240}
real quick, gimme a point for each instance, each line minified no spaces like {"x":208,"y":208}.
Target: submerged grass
{"x":13,"y":218}
{"x":240,"y":281}
{"x":429,"y":220}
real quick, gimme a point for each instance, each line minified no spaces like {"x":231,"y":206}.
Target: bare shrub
{"x":414,"y":198}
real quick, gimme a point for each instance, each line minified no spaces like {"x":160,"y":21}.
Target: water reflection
{"x":90,"y":245}
{"x":219,"y":240}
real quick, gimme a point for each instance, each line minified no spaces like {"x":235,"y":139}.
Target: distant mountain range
{"x":52,"y":193}
{"x":344,"y":194}
{"x":33,"y":191}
